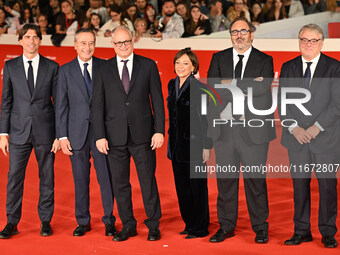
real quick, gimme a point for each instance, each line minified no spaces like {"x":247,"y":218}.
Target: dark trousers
{"x":81,"y":175}
{"x":192,"y":196}
{"x":232,"y":149}
{"x":18,"y":159}
{"x":145,"y":161}
{"x":327,"y":190}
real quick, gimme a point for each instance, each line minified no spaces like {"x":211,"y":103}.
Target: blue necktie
{"x":307,"y":76}
{"x":87,"y":80}
{"x":125,"y":77}
{"x":30,"y":77}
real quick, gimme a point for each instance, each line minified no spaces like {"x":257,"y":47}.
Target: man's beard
{"x":244,"y":43}
{"x":169,"y":14}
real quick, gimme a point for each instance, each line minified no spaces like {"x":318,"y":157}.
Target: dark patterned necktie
{"x":238,"y":68}
{"x":125,"y":77}
{"x":30,"y":79}
{"x":87,"y":79}
{"x":307,"y":76}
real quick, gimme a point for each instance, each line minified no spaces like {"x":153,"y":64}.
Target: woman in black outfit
{"x":188,"y":144}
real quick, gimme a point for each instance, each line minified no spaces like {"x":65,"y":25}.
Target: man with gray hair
{"x":313,"y":141}
{"x":75,"y":132}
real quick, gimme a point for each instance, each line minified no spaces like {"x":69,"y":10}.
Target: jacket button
{"x":127,"y":103}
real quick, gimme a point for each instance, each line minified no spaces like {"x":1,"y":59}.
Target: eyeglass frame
{"x":120,"y":44}
{"x":311,"y":41}
{"x":232,"y":32}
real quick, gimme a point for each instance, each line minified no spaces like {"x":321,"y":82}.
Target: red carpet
{"x":94,"y":242}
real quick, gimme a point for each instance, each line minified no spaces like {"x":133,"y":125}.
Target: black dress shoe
{"x":125,"y":234}
{"x":261,"y":236}
{"x":190,"y":236}
{"x":297,"y":239}
{"x":154,"y":234}
{"x":184,"y":232}
{"x":45,"y":229}
{"x":9,"y":231}
{"x":110,"y":229}
{"x":81,"y":230}
{"x":221,"y":235}
{"x":329,"y":242}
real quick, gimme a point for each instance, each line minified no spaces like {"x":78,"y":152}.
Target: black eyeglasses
{"x":242,"y":32}
{"x":311,"y":41}
{"x":126,"y":43}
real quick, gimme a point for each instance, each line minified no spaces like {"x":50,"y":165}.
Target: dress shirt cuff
{"x":319,"y":126}
{"x":290,"y":129}
{"x":62,"y":138}
{"x":3,"y":134}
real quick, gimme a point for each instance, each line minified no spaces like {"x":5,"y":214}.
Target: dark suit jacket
{"x":187,"y":127}
{"x":259,"y":64}
{"x":73,"y":103}
{"x":324,"y":104}
{"x":20,"y":111}
{"x":113,"y":110}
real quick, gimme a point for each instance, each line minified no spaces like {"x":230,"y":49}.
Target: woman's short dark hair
{"x":27,"y":27}
{"x":192,"y":56}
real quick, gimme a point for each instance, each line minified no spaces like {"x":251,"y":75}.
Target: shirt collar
{"x":82,"y":62}
{"x":130,"y":58}
{"x":245,"y":54}
{"x":34,"y":60}
{"x":314,"y":60}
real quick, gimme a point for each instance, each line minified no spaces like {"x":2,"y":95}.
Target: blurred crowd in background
{"x":149,"y":18}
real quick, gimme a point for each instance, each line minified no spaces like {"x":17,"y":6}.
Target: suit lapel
{"x":320,"y":69}
{"x":135,"y":71}
{"x":185,"y":87}
{"x":251,"y":63}
{"x":116,"y":73}
{"x":22,"y":76}
{"x":228,"y":72}
{"x":297,"y":68}
{"x":42,"y":70}
{"x":78,"y":76}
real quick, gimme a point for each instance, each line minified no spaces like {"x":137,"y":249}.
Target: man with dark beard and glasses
{"x":170,"y":25}
{"x":239,"y":143}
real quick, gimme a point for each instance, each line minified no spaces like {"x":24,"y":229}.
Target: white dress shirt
{"x":89,"y":67}
{"x":312,"y":66}
{"x":35,"y":65}
{"x":244,"y":60}
{"x":129,"y":65}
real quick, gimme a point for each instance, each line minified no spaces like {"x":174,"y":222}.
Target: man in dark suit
{"x":125,"y":124}
{"x":75,"y":132}
{"x":245,"y":67}
{"x":27,"y":118}
{"x":316,"y":137}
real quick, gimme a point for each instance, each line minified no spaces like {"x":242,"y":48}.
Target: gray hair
{"x":84,"y":30}
{"x":313,"y":27}
{"x":120,"y":28}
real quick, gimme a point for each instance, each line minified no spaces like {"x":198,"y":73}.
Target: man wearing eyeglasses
{"x":128,"y":120}
{"x":316,"y":137}
{"x":237,"y":142}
